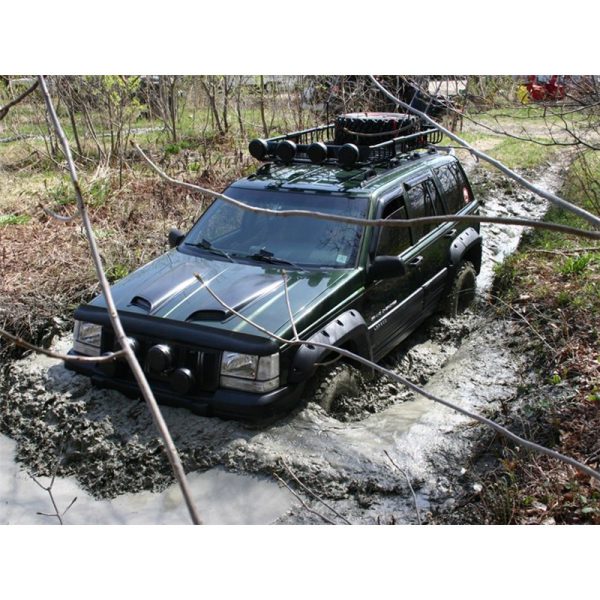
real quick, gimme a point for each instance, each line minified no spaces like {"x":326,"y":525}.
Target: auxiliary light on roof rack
{"x":354,"y":139}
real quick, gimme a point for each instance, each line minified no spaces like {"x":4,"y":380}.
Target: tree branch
{"x":4,"y":109}
{"x":584,"y":214}
{"x":415,"y":388}
{"x":130,"y":356}
{"x":595,"y":235}
{"x":17,"y":341}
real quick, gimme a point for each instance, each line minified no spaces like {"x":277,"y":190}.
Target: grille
{"x":202,"y":362}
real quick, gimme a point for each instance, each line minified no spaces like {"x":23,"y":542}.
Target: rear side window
{"x":454,"y":186}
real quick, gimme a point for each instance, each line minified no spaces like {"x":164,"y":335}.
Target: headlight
{"x":86,"y":338}
{"x":249,"y":372}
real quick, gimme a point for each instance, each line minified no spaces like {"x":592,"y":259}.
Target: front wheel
{"x":337,"y":388}
{"x":462,"y":290}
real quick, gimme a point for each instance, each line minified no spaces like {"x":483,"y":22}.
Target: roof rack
{"x":336,"y":143}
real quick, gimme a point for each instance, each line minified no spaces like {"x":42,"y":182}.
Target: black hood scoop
{"x":141,"y":302}
{"x":207,"y":315}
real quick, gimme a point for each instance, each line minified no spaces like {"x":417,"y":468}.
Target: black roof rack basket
{"x":333,"y":143}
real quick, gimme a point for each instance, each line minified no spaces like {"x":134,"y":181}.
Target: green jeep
{"x":361,"y":287}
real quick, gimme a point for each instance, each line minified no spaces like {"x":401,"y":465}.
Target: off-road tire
{"x":462,"y":290}
{"x":335,"y":386}
{"x":371,"y":124}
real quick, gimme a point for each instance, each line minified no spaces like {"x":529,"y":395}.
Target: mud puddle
{"x":107,"y":442}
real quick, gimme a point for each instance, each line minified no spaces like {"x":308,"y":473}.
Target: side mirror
{"x":386,"y":267}
{"x":175,"y":237}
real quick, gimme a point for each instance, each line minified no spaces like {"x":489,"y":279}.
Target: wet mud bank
{"x":395,"y":460}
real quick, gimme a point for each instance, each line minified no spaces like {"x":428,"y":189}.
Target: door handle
{"x":415,"y":262}
{"x":450,"y":234}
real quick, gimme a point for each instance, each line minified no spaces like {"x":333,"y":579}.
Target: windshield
{"x":304,"y":241}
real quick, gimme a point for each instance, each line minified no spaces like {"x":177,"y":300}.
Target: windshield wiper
{"x":206,"y":245}
{"x":265,"y":256}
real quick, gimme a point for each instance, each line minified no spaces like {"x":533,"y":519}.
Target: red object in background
{"x":545,"y":87}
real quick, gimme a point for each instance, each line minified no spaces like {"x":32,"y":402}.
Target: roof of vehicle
{"x":362,"y":180}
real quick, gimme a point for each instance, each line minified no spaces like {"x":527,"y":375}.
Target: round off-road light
{"x":286,"y":150}
{"x":182,"y":381}
{"x":258,"y":148}
{"x":348,"y":155}
{"x":317,"y":152}
{"x":159,"y":358}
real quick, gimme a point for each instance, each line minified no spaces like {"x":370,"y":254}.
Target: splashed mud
{"x":107,"y":442}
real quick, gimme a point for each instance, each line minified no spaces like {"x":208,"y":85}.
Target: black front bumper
{"x":207,"y":398}
{"x":228,"y":404}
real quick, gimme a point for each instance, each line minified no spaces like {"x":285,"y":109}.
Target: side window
{"x":435,"y":199}
{"x":394,"y":240}
{"x":454,"y":186}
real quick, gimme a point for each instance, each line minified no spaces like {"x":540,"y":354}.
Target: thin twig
{"x":4,"y":109}
{"x":566,"y":250}
{"x":314,"y":512}
{"x":289,"y":306}
{"x":313,"y":494}
{"x":61,"y":218}
{"x":117,"y":326}
{"x":409,"y":485}
{"x":48,"y":489}
{"x":558,"y":201}
{"x":415,"y":388}
{"x":402,"y":223}
{"x":17,"y":341}
{"x":525,"y":320}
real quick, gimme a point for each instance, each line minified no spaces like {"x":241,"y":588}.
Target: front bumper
{"x":228,"y":404}
{"x":188,"y":340}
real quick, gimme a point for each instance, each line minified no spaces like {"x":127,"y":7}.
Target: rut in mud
{"x":108,"y":442}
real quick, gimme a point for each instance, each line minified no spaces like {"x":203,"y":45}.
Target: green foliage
{"x":95,"y":193}
{"x":555,"y":379}
{"x":505,"y":274}
{"x":6,"y":220}
{"x":61,"y":193}
{"x":575,"y":265}
{"x":116,"y":272}
{"x":98,"y":192}
{"x":517,"y":154}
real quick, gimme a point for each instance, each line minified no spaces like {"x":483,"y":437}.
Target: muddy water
{"x":107,"y":442}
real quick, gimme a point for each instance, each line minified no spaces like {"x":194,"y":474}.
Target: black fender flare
{"x":468,"y":240}
{"x":349,"y":328}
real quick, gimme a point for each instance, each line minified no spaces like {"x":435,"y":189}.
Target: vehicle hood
{"x":168,"y":287}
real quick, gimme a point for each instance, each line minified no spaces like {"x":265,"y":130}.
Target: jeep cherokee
{"x":364,"y":288}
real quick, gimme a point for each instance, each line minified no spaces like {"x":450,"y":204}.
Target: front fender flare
{"x":347,"y":330}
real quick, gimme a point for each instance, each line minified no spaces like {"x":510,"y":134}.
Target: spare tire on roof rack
{"x":371,"y":128}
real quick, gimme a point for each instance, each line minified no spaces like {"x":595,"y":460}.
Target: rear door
{"x":432,"y":241}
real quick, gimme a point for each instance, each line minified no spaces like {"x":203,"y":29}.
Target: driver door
{"x":393,"y":306}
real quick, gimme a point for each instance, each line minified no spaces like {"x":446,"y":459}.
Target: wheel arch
{"x":466,"y":247}
{"x":348,"y":330}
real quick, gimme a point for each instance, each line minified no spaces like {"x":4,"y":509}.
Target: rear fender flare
{"x":348,"y":329}
{"x":466,"y":242}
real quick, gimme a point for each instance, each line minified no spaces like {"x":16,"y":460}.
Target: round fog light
{"x":159,"y":358}
{"x":182,"y":381}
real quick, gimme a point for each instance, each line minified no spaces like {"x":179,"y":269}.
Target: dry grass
{"x":45,"y":269}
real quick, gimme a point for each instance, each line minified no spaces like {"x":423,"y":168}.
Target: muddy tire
{"x":371,"y":124}
{"x":462,"y":291}
{"x":337,"y":388}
